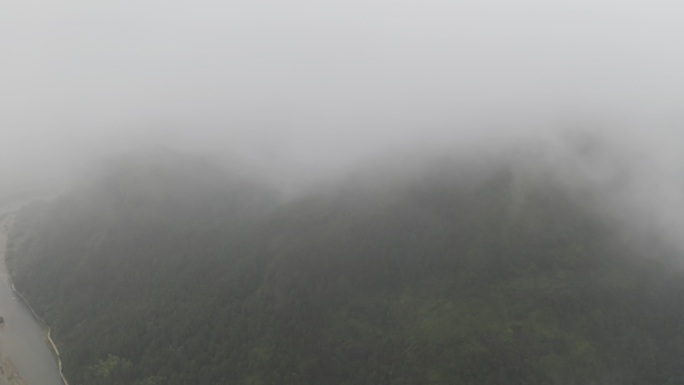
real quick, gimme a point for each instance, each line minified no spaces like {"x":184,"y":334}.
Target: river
{"x":22,"y":339}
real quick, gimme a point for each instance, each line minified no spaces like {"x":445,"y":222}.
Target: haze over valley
{"x":357,"y":192}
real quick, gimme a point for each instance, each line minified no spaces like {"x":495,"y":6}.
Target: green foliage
{"x":110,"y":371}
{"x":178,"y":275}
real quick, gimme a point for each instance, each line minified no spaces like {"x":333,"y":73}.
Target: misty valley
{"x":165,"y":268}
{"x":345,"y":192}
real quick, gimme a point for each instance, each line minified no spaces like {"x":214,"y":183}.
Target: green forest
{"x":167,"y":269}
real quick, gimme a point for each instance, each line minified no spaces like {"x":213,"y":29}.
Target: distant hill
{"x":165,"y":269}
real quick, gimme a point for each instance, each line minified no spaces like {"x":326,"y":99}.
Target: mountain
{"x":165,"y":269}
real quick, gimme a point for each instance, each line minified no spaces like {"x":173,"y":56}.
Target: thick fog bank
{"x":636,"y":182}
{"x":306,"y":88}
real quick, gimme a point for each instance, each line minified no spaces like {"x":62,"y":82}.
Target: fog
{"x":304,"y":88}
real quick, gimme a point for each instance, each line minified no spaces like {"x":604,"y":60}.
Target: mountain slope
{"x":453,"y":275}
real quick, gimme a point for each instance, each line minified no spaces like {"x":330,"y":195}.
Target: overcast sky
{"x":307,"y":82}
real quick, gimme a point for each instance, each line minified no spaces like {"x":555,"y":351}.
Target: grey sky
{"x":321,"y":82}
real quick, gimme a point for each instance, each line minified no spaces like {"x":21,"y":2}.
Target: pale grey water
{"x":21,"y":337}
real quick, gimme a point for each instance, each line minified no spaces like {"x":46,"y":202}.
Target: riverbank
{"x":47,"y":329}
{"x":18,"y":350}
{"x":9,"y":373}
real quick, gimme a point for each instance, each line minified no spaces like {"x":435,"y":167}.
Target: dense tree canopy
{"x":166,"y":270}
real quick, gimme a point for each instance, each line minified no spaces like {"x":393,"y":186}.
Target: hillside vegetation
{"x":165,"y":269}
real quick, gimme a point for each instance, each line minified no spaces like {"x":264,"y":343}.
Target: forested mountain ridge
{"x":166,"y":270}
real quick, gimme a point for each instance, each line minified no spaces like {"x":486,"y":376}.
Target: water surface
{"x":21,"y":336}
